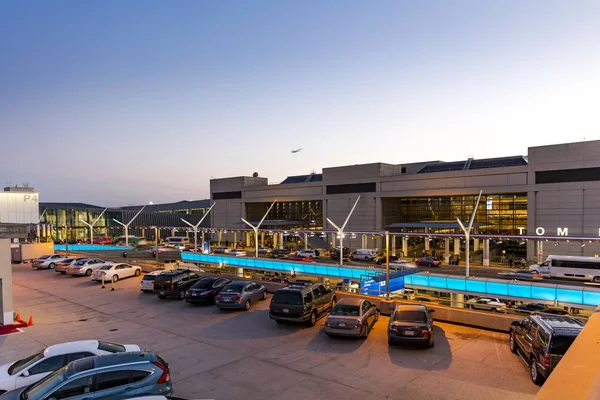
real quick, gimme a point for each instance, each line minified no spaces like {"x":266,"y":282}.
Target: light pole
{"x":467,"y":232}
{"x":157,"y":252}
{"x":341,"y":230}
{"x":126,"y":226}
{"x":255,"y":228}
{"x":91,"y":226}
{"x":195,"y":228}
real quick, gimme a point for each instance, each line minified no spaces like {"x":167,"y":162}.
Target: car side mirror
{"x":26,"y":373}
{"x":431,"y":310}
{"x":516,"y":323}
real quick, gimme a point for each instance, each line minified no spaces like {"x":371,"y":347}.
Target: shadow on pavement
{"x":253,"y":324}
{"x":422,"y":357}
{"x":322,"y":343}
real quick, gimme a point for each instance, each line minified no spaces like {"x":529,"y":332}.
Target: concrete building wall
{"x":6,"y":303}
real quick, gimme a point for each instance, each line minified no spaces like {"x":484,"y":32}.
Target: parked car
{"x":115,"y":272}
{"x":303,"y":259}
{"x":31,"y":369}
{"x":351,"y":317}
{"x":47,"y":261}
{"x":86,"y":266}
{"x":102,"y":240}
{"x":301,"y":303}
{"x":523,"y":274}
{"x":281,"y":253}
{"x":275,"y":277}
{"x":62,"y":266}
{"x":307,"y":254}
{"x":114,"y":377}
{"x":411,"y":324}
{"x":363,"y":254}
{"x":428,"y":262}
{"x":237,"y":253}
{"x":401,"y":265}
{"x":488,"y":304}
{"x":205,"y":290}
{"x":334,"y":253}
{"x":240,"y":295}
{"x":381,"y":260}
{"x":542,"y":340}
{"x":264,"y":250}
{"x":537,"y":307}
{"x":221,"y":250}
{"x":147,"y":282}
{"x":174,"y":283}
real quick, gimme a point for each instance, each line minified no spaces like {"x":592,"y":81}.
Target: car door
{"x":114,"y":385}
{"x":520,"y":332}
{"x":317,"y":300}
{"x":39,"y":370}
{"x":256,"y":294}
{"x":220,"y":284}
{"x":78,"y":389}
{"x":365,"y":313}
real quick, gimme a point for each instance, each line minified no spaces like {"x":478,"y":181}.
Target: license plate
{"x":226,"y":300}
{"x":286,"y":311}
{"x":162,"y":293}
{"x":342,"y":325}
{"x":409,"y":333}
{"x":194,"y":294}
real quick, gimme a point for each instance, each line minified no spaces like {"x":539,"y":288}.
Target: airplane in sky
{"x":297,"y":150}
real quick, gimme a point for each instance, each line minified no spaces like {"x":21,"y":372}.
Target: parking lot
{"x":224,"y":355}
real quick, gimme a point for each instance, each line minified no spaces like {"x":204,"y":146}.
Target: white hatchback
{"x":33,"y":368}
{"x":115,"y":272}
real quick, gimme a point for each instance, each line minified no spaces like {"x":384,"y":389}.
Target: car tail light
{"x":327,"y":322}
{"x":395,"y":331}
{"x":206,"y":292}
{"x":237,"y":298}
{"x":425,"y":332}
{"x":218,"y":297}
{"x":358,"y":324}
{"x":164,"y":378}
{"x":547,"y":361}
{"x":172,"y":286}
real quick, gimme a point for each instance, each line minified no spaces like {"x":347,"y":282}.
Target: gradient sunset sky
{"x":126,"y":102}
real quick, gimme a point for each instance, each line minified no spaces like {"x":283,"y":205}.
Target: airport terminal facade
{"x":551,"y":190}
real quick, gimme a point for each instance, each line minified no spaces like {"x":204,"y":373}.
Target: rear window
{"x":106,"y":267}
{"x":111,"y":347}
{"x":164,"y":278}
{"x":560,"y":344}
{"x":149,"y":277}
{"x":410,"y":316}
{"x":203,"y":284}
{"x":237,"y":288}
{"x":341,"y":309}
{"x":287,"y":297}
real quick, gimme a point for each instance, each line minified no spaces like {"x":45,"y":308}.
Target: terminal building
{"x":552,"y":190}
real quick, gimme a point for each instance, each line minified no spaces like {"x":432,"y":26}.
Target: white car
{"x":237,"y":253}
{"x":47,"y":261}
{"x":306,"y":254}
{"x":486,"y":303}
{"x":115,"y":272}
{"x":147,"y":283}
{"x":86,"y":266}
{"x":33,"y":368}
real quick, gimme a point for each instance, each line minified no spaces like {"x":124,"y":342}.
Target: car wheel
{"x":181,"y":294}
{"x":390,"y":343}
{"x":333,"y":302}
{"x":88,"y":272}
{"x":51,"y":265}
{"x":431,"y":344}
{"x":138,"y":272}
{"x":494,"y":310}
{"x":376,"y":317}
{"x":596,"y":279}
{"x":512,"y":344}
{"x":366,"y":332}
{"x":264,"y":297}
{"x":115,"y":278}
{"x":247,"y":305}
{"x":161,"y":297}
{"x":535,"y":376}
{"x":313,"y":318}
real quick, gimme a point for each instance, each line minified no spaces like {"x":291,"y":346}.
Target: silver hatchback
{"x":351,"y":317}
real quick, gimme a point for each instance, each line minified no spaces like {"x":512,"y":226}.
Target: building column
{"x":456,"y":246}
{"x":262,"y":239}
{"x":393,"y":243}
{"x":427,"y":245}
{"x":234,"y":240}
{"x":475,"y":244}
{"x":239,"y":272}
{"x":281,"y":240}
{"x":305,"y":241}
{"x":404,"y":246}
{"x":457,"y":300}
{"x":6,"y":286}
{"x":333,"y":235}
{"x":172,"y":232}
{"x":249,"y":239}
{"x":540,"y":251}
{"x":363,"y":243}
{"x":446,"y":250}
{"x":486,"y":252}
{"x":275,"y":240}
{"x":220,"y":237}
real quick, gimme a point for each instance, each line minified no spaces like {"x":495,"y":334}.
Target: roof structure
{"x":471,"y":164}
{"x":303,"y":178}
{"x":75,"y":206}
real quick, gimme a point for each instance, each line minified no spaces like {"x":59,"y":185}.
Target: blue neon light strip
{"x":534,"y":291}
{"x":89,"y":247}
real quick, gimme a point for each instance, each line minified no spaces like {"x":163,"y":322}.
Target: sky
{"x":130,"y":102}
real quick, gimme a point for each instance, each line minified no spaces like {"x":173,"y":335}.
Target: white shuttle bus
{"x":178,"y":241}
{"x":571,"y":267}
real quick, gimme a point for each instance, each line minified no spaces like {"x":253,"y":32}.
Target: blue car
{"x":115,"y":377}
{"x":240,"y":295}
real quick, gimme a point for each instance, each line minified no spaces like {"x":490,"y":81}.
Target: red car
{"x":307,"y":259}
{"x":428,"y":262}
{"x":102,"y":240}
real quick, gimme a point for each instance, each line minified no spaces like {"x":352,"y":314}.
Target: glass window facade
{"x":496,"y":213}
{"x":301,"y":214}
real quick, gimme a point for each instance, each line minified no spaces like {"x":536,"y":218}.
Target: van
{"x":363,"y":254}
{"x":178,"y":240}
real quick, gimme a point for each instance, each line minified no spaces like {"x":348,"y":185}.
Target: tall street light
{"x":467,"y":231}
{"x":255,"y":228}
{"x":195,"y":228}
{"x":341,"y":230}
{"x":91,"y":226}
{"x":126,"y":226}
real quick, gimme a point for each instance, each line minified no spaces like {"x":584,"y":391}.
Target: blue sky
{"x":126,"y":102}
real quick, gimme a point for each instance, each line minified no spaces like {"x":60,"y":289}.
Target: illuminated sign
{"x":541,"y":231}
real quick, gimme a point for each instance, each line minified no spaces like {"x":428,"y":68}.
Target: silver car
{"x":351,"y":317}
{"x":86,"y":266}
{"x":240,"y":295}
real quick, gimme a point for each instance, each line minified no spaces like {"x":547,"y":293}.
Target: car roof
{"x":559,"y":324}
{"x":350,"y":301}
{"x":155,"y":272}
{"x":70,"y":347}
{"x":415,"y":307}
{"x":110,"y":360}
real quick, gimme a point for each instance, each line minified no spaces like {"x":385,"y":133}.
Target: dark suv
{"x":301,"y":303}
{"x":174,"y":283}
{"x":542,"y":340}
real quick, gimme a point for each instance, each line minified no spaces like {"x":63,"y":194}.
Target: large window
{"x":501,"y":213}
{"x":301,"y":214}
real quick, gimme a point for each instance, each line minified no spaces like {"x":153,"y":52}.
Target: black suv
{"x":174,"y":283}
{"x":301,"y":303}
{"x":334,"y":253}
{"x":542,"y":340}
{"x":205,"y":290}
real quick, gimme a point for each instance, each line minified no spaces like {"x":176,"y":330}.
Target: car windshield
{"x":149,"y":277}
{"x":560,"y":344}
{"x":111,"y":347}
{"x":81,"y":262}
{"x":410,"y":316}
{"x":286,"y":297}
{"x":43,"y":257}
{"x":341,"y":309}
{"x":46,"y":385}
{"x":235,"y":288}
{"x":203,"y":284}
{"x":105,"y":267}
{"x":20,"y":365}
